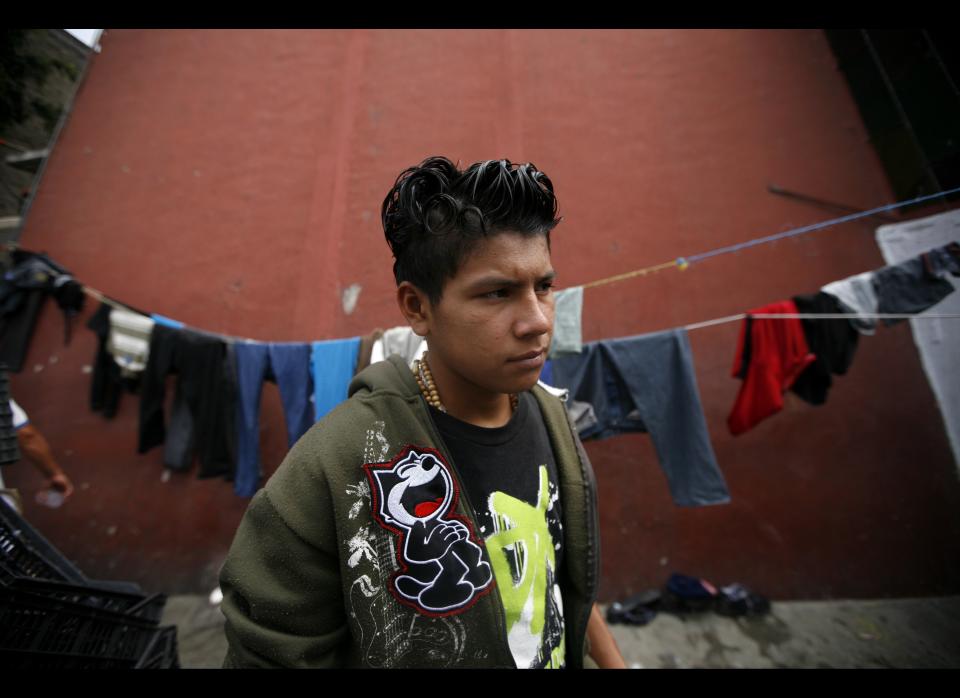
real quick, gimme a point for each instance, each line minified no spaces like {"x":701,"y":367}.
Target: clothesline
{"x":682,"y":263}
{"x":695,"y":326}
{"x":97,"y":295}
{"x":679,"y":262}
{"x":314,"y":372}
{"x":823,"y":316}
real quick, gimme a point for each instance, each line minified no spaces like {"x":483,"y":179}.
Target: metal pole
{"x":774,"y":189}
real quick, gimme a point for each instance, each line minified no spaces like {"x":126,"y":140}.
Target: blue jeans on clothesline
{"x":647,"y":383}
{"x":289,"y":365}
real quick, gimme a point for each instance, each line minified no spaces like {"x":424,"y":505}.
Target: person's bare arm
{"x":38,"y":452}
{"x":603,"y":647}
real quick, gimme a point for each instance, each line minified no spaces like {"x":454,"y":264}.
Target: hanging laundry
{"x":201,"y":420}
{"x":332,"y":364}
{"x":181,"y":439}
{"x":24,"y":287}
{"x":129,"y":340}
{"x":161,"y":320}
{"x":771,"y":354}
{"x":23,"y":290}
{"x":834,"y":342}
{"x":936,"y":339}
{"x":107,"y":382}
{"x":288,"y":365}
{"x":916,"y":284}
{"x":943,"y":260}
{"x":546,"y":373}
{"x":70,"y":298}
{"x":646,"y":383}
{"x":366,"y":350}
{"x":376,"y":351}
{"x":399,"y":340}
{"x":581,"y":413}
{"x":567,"y":334}
{"x":856,"y":295}
{"x":17,"y":325}
{"x":952,"y":249}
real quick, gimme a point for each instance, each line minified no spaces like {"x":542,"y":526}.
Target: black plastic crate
{"x":43,"y":632}
{"x":161,"y":653}
{"x":28,"y":553}
{"x":112,"y":585}
{"x":90,"y":595}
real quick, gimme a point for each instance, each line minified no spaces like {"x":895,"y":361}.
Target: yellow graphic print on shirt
{"x":528,"y":586}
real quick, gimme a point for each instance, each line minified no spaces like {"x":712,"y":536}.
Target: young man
{"x":445,"y":514}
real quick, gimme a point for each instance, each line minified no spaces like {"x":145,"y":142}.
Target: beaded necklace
{"x":421,"y":372}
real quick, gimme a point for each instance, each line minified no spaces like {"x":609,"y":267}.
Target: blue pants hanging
{"x":289,"y":365}
{"x":646,"y":383}
{"x":333,"y":363}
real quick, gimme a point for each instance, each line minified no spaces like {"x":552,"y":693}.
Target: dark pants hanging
{"x":16,"y":327}
{"x":201,"y":421}
{"x":289,"y":365}
{"x":834,"y":342}
{"x":107,"y":383}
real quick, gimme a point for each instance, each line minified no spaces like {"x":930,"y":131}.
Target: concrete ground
{"x":901,"y":633}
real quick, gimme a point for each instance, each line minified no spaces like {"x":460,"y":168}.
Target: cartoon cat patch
{"x":442,"y":570}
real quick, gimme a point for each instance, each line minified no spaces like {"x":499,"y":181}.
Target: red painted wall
{"x":233,"y":179}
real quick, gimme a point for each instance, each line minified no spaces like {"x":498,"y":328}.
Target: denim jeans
{"x":288,"y":364}
{"x":646,"y":383}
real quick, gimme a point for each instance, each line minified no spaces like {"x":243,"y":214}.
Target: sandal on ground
{"x":638,"y":609}
{"x":736,"y":600}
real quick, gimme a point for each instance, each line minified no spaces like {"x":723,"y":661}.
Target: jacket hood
{"x":391,"y":375}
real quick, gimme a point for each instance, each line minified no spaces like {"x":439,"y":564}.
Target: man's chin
{"x":524,"y":385}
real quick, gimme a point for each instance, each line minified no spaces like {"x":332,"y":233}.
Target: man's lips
{"x":528,"y":355}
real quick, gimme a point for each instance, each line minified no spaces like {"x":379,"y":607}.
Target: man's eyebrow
{"x":490,"y":281}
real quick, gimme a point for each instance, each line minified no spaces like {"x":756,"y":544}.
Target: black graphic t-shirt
{"x":510,"y":477}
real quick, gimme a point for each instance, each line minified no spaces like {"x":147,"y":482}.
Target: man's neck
{"x":466,"y":401}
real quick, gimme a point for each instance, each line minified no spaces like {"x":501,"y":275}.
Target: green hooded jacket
{"x":308,"y":580}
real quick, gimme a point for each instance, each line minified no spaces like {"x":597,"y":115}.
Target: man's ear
{"x":416,"y":308}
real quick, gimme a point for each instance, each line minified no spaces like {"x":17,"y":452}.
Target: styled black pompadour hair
{"x":435,"y":214}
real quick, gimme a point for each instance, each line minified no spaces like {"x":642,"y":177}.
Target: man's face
{"x":494,"y":313}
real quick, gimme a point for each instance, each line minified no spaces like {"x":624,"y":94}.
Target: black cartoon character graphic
{"x":442,"y":570}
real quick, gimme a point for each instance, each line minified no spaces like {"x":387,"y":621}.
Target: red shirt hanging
{"x":777,"y":354}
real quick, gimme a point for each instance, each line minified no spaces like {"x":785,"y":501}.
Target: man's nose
{"x":535,"y":315}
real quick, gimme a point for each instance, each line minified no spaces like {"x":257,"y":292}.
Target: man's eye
{"x":499,"y":293}
{"x":545,"y":287}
